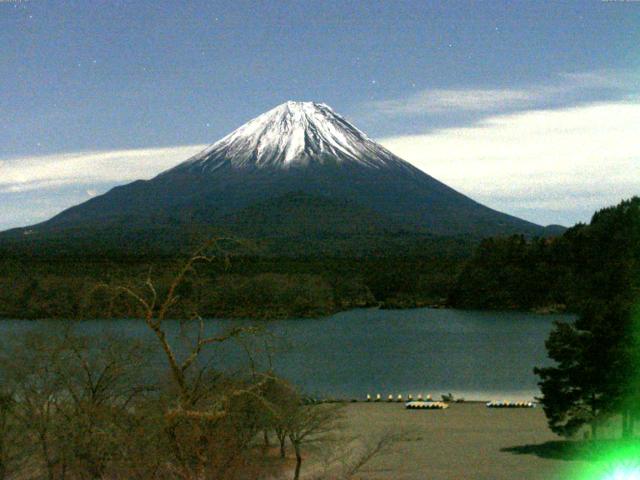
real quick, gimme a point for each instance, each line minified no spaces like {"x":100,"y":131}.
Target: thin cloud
{"x":438,"y":101}
{"x":441,"y":100}
{"x":572,"y":160}
{"x":24,"y":174}
{"x":604,"y":78}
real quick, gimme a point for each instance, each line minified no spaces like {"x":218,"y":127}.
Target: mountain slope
{"x":297,"y":148}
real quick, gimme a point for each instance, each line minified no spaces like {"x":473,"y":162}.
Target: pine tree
{"x":596,"y":371}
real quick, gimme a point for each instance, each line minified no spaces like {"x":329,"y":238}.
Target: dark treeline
{"x":546,"y":274}
{"x":539,"y":274}
{"x":238,"y":285}
{"x":517,"y":273}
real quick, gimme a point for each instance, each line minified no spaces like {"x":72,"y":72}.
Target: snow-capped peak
{"x":293,"y":134}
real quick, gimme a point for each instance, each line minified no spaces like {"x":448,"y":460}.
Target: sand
{"x":465,"y":441}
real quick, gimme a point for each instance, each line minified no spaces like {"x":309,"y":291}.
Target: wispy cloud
{"x":439,"y":101}
{"x":549,"y":165}
{"x":35,"y":188}
{"x":603,"y":78}
{"x":22,"y":174}
{"x":442,"y":100}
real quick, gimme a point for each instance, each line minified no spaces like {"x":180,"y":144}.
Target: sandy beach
{"x":465,"y":441}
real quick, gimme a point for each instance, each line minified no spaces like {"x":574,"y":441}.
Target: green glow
{"x":609,"y":460}
{"x":624,"y":472}
{"x":612,"y":459}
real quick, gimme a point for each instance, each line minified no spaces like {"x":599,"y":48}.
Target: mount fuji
{"x":298,"y":170}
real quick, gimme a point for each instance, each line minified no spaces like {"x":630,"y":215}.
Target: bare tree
{"x":347,"y":458}
{"x":156,"y":308}
{"x":31,"y":368}
{"x":308,"y":424}
{"x":70,"y":395}
{"x":284,"y":402}
{"x":100,"y":381}
{"x":372,"y":449}
{"x":213,"y":419}
{"x":7,"y":433}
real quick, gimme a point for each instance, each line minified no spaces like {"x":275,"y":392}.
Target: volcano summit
{"x":298,"y":170}
{"x":294,"y":134}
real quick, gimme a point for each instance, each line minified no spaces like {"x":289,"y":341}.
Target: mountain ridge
{"x":298,"y":147}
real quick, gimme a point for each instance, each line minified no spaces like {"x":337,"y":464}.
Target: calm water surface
{"x":477,"y":355}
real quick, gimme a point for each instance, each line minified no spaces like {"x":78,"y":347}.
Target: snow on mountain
{"x":294,"y":134}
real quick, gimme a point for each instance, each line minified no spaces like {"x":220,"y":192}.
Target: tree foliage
{"x":596,"y":357}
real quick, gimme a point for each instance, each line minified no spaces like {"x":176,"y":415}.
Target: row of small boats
{"x":398,"y":398}
{"x":506,"y":404}
{"x":426,"y":403}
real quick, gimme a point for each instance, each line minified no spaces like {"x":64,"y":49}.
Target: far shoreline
{"x":267,"y":316}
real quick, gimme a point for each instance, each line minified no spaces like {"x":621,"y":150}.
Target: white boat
{"x":428,"y":405}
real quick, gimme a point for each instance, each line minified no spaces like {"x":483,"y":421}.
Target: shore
{"x":465,"y":441}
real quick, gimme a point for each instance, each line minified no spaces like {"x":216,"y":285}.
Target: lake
{"x":475,"y":355}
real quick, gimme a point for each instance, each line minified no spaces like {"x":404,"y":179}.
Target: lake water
{"x":476,"y":355}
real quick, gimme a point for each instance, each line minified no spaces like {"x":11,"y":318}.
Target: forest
{"x":561,"y":273}
{"x":235,"y":283}
{"x":501,"y":273}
